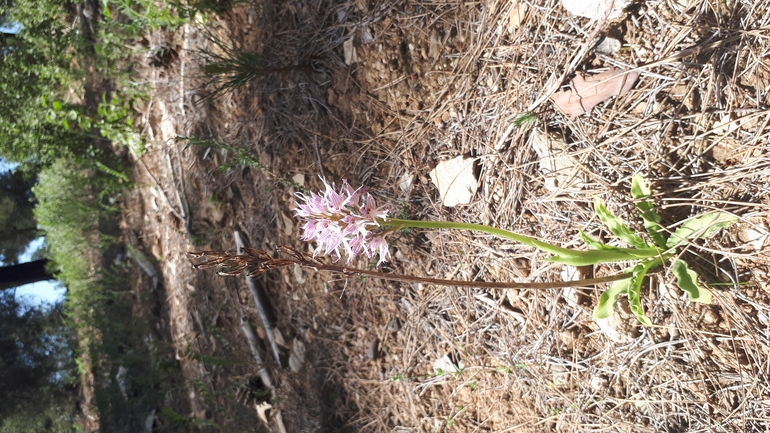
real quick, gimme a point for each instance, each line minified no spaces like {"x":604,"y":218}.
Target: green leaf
{"x":617,"y":227}
{"x":699,"y":228}
{"x":606,"y":305}
{"x":57,"y":105}
{"x":66,"y":124}
{"x":632,"y":288}
{"x":635,"y":292}
{"x":593,"y":243}
{"x":629,"y":253}
{"x":593,"y":257}
{"x":687,"y":280}
{"x":639,"y":188}
{"x":640,"y":191}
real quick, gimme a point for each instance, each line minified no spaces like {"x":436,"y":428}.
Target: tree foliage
{"x":37,"y":65}
{"x":37,"y":370}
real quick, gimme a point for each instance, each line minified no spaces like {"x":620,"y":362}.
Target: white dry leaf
{"x":446,"y":365}
{"x":560,"y":170}
{"x":297,"y":355}
{"x":150,"y":421}
{"x":455,"y":181}
{"x":516,"y":16}
{"x":586,"y":93}
{"x":405,"y":182}
{"x":262,"y":409}
{"x":725,"y":125}
{"x":299,"y":179}
{"x":288,"y":224}
{"x":350,"y":52}
{"x":596,"y":9}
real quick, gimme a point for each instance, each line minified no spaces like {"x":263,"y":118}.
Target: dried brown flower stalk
{"x":256,"y":262}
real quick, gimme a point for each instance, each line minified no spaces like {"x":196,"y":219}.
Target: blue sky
{"x":47,"y":292}
{"x":15,"y":28}
{"x":44,"y":292}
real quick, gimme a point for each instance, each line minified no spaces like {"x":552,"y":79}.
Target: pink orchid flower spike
{"x":343,"y":220}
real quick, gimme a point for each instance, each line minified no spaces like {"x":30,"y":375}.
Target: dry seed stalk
{"x":256,"y":262}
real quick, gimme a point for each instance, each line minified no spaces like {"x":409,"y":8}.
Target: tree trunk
{"x":25,"y":273}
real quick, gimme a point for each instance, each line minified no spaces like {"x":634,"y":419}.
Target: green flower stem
{"x":561,"y":255}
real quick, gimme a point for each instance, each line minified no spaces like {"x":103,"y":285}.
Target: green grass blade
{"x":699,"y":228}
{"x":687,"y":280}
{"x":617,"y":226}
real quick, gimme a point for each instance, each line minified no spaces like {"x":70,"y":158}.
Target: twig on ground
{"x":261,"y":302}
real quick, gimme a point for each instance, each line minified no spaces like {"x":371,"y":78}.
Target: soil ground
{"x":432,"y":81}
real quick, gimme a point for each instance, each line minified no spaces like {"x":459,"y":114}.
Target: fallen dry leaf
{"x":586,"y":93}
{"x":351,"y":56}
{"x":455,"y":181}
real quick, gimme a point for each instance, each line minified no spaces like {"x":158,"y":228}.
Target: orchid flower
{"x":343,"y":220}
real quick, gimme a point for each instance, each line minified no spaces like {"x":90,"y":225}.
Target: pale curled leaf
{"x":586,"y":93}
{"x":700,"y":228}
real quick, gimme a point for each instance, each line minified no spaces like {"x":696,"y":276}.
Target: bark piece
{"x":586,"y":93}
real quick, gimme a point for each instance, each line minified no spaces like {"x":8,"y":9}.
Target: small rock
{"x":299,"y":274}
{"x":598,"y":383}
{"x":331,"y":98}
{"x":394,"y":325}
{"x":351,"y":56}
{"x":608,"y":46}
{"x":710,"y":317}
{"x":299,"y":178}
{"x":754,"y":236}
{"x":372,"y":349}
{"x":288,"y":224}
{"x":613,"y":328}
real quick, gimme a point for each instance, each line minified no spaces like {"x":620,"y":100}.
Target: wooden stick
{"x":261,"y":300}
